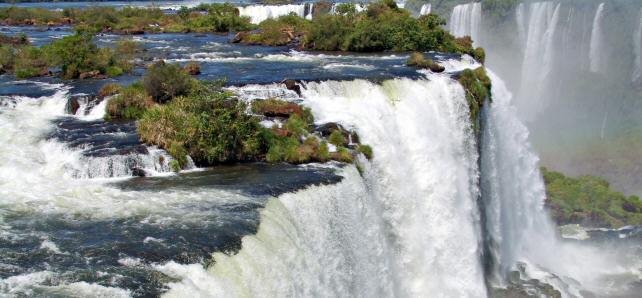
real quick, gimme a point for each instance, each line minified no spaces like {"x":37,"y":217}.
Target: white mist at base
{"x":465,"y":21}
{"x":597,"y":41}
{"x":409,"y":227}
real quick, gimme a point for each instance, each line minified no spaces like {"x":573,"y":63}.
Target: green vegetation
{"x":419,"y":60}
{"x":589,"y":201}
{"x":76,"y":55}
{"x":130,"y":103}
{"x":129,"y":20}
{"x":366,"y":150}
{"x":477,"y":86}
{"x":208,"y":124}
{"x":382,"y":26}
{"x":109,"y":90}
{"x":166,"y":81}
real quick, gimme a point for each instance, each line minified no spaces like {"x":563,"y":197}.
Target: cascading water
{"x":512,"y":186}
{"x":465,"y":21}
{"x":637,"y":51}
{"x":260,"y":13}
{"x":425,"y":9}
{"x":409,"y":228}
{"x":538,"y":57}
{"x":520,"y":15}
{"x":597,"y":41}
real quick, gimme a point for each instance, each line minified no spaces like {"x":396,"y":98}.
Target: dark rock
{"x":292,"y":85}
{"x":138,"y":172}
{"x":354,"y":137}
{"x":327,"y":128}
{"x":435,"y":67}
{"x":238,"y":37}
{"x":72,"y":105}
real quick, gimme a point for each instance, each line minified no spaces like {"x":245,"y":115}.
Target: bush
{"x":480,"y":55}
{"x":209,"y":123}
{"x":477,"y":86}
{"x":589,"y":201}
{"x":366,"y":150}
{"x":166,"y":81}
{"x":130,"y":103}
{"x":29,"y":62}
{"x":343,"y":155}
{"x":419,"y":60}
{"x":109,"y":90}
{"x":337,"y":138}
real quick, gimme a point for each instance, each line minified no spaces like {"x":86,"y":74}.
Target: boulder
{"x":94,"y":74}
{"x":292,"y":85}
{"x":238,"y":37}
{"x":138,"y":172}
{"x":327,"y":128}
{"x":192,"y":68}
{"x":72,"y":105}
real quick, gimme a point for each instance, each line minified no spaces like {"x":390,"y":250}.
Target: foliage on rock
{"x":588,"y":200}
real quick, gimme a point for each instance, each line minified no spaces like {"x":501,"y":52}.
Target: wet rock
{"x":138,"y":172}
{"x":354,"y":137}
{"x":72,"y":105}
{"x":292,"y":85}
{"x":238,"y":37}
{"x":192,"y":68}
{"x":327,"y":128}
{"x":435,"y":67}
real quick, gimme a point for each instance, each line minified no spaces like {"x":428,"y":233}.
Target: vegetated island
{"x":589,"y":202}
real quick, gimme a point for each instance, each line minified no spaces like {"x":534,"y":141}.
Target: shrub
{"x":337,"y":138}
{"x":109,"y":90}
{"x":29,"y":62}
{"x":209,"y":123}
{"x":7,"y":58}
{"x":419,"y":60}
{"x":114,"y":71}
{"x":323,"y":153}
{"x":343,"y":155}
{"x":480,"y":55}
{"x":166,"y":81}
{"x":130,"y":103}
{"x":477,"y":86}
{"x":366,"y":150}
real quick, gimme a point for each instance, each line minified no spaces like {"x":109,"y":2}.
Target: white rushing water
{"x":465,"y":20}
{"x":637,"y":51}
{"x":409,"y":227}
{"x":596,"y":47}
{"x":425,"y":9}
{"x":538,"y":57}
{"x":260,"y":13}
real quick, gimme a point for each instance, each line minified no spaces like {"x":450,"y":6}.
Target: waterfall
{"x":596,"y":55}
{"x":637,"y":51}
{"x":409,"y":227}
{"x":520,"y":16}
{"x":465,"y":20}
{"x":260,"y":13}
{"x":538,"y":57}
{"x":513,"y":189}
{"x":425,"y":9}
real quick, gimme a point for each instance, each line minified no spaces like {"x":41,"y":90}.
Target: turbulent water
{"x":441,"y":210}
{"x":413,"y":215}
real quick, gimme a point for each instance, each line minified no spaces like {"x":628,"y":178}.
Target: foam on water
{"x":408,"y":227}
